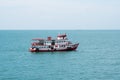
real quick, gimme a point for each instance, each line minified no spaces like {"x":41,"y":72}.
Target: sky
{"x":59,"y":14}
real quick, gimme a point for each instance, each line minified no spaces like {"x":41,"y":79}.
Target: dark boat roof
{"x":62,"y":35}
{"x":38,"y":39}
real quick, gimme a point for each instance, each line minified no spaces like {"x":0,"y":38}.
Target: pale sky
{"x":59,"y":14}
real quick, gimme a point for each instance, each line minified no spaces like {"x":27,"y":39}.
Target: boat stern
{"x":33,"y":49}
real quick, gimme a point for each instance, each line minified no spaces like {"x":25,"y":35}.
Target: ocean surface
{"x":96,"y":58}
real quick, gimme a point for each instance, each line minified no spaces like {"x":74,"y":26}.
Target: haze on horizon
{"x":60,"y":14}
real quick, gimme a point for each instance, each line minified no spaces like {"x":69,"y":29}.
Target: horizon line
{"x":59,"y":29}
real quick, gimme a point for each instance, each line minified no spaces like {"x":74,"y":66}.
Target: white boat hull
{"x":67,"y":48}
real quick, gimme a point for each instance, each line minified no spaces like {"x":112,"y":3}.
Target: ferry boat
{"x":61,"y":43}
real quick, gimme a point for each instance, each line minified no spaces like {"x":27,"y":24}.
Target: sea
{"x":96,"y":58}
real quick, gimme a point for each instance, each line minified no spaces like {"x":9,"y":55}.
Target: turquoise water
{"x":97,"y":57}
